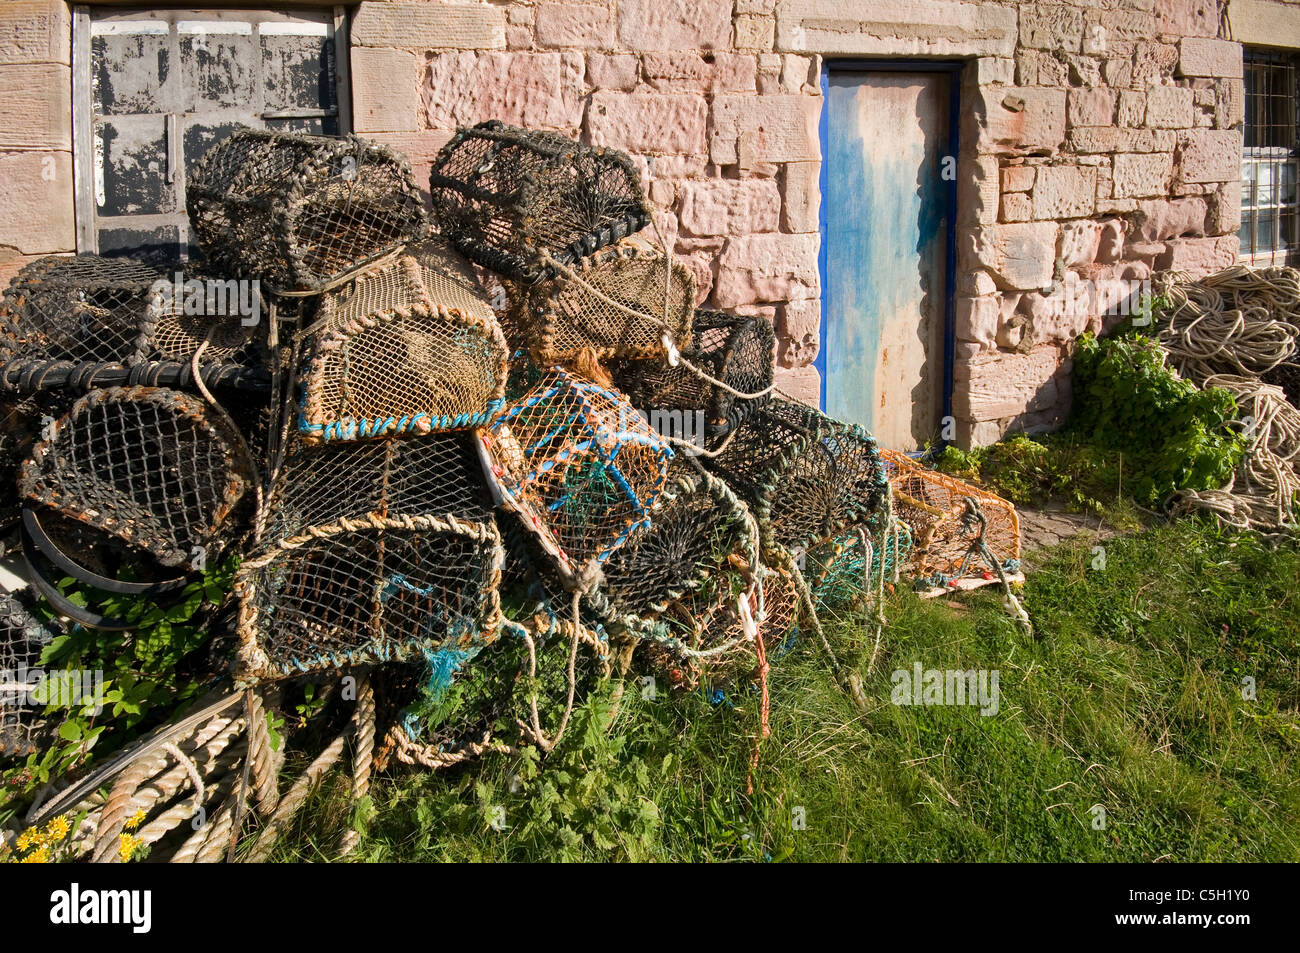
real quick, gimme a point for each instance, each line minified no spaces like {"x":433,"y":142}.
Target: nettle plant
{"x":1173,"y":435}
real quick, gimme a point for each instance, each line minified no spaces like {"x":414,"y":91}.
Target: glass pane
{"x":1288,"y":183}
{"x":1265,"y":231}
{"x":1244,"y":234}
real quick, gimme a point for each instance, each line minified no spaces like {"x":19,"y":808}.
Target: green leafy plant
{"x":1173,"y":435}
{"x":149,"y":673}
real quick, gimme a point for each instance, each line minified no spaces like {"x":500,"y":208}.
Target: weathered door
{"x":154,"y":89}
{"x":886,"y":251}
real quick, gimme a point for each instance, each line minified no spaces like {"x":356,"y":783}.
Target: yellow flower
{"x":58,"y":828}
{"x":25,"y":839}
{"x":41,"y":856}
{"x":135,"y":820}
{"x":127,"y":845}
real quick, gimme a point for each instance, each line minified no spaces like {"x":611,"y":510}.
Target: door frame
{"x":83,"y":166}
{"x":954,"y":70}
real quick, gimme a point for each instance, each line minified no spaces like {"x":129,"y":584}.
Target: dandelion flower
{"x":127,"y":845}
{"x":135,"y":820}
{"x":39,"y":856}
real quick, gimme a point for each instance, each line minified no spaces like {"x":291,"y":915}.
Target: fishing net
{"x":696,"y":526}
{"x":374,"y":551}
{"x":298,"y":211}
{"x":837,"y":569}
{"x":510,"y":199}
{"x":433,"y":475}
{"x":21,"y":422}
{"x":79,"y":308}
{"x":947,"y":541}
{"x":579,"y":465}
{"x":734,"y":349}
{"x":22,"y":640}
{"x":709,"y":638}
{"x":409,"y":347}
{"x":611,"y":304}
{"x":805,"y":475}
{"x":150,"y":466}
{"x":85,"y":321}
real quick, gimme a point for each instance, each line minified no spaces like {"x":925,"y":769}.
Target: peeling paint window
{"x":155,"y":89}
{"x":1270,"y":207}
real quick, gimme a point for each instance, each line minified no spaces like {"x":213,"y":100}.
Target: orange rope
{"x":763,"y":730}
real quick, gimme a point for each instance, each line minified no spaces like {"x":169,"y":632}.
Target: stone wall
{"x":1100,"y":141}
{"x":36,"y":190}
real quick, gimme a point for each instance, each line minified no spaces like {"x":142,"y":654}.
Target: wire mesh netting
{"x":22,"y":640}
{"x":837,"y":569}
{"x":81,"y":322}
{"x":383,"y":590}
{"x":433,"y":475}
{"x":373,"y":551}
{"x":734,"y":349}
{"x":79,"y":308}
{"x":151,"y":466}
{"x":298,"y":211}
{"x":509,"y":197}
{"x":409,"y":347}
{"x":806,"y":475}
{"x":580,"y":466}
{"x":695,"y":527}
{"x":611,"y":307}
{"x":718,"y":640}
{"x":217,"y":318}
{"x":21,"y":422}
{"x":944,"y":538}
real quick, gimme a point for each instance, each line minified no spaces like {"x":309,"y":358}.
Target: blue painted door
{"x":886,"y":249}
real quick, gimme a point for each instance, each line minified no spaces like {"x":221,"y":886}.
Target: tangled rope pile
{"x":1231,"y":330}
{"x":1238,"y":321}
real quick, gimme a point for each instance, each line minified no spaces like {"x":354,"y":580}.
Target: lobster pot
{"x":22,"y":640}
{"x":365,"y":591}
{"x":734,"y":349}
{"x":837,"y":571}
{"x":708,"y":622}
{"x":83,"y":322}
{"x":80,"y":309}
{"x":410,"y":347}
{"x":219,"y":319}
{"x":695,"y":528}
{"x":300,"y":212}
{"x":150,"y":466}
{"x":805,"y":475}
{"x":434,"y":475}
{"x":510,"y":197}
{"x":611,"y":307}
{"x":944,"y":538}
{"x":579,"y":465}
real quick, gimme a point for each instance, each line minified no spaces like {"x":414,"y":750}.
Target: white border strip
{"x":276,"y":28}
{"x":214,"y":26}
{"x":120,"y":27}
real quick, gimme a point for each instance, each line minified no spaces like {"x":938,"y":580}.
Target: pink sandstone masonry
{"x":1101,"y":139}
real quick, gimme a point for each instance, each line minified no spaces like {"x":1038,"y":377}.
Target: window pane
{"x":1265,"y":229}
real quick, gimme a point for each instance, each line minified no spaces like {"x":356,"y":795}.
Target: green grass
{"x":1129,"y":696}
